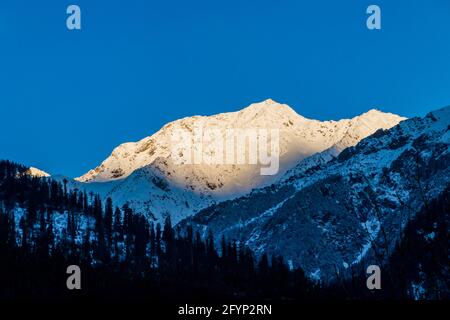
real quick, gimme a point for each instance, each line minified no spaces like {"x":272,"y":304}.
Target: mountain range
{"x":343,"y":196}
{"x":145,"y":174}
{"x":326,"y":218}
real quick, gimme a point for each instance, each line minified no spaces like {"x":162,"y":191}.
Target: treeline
{"x":118,"y":249}
{"x":44,"y":227}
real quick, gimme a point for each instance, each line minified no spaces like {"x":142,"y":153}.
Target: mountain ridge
{"x":329,"y":217}
{"x":145,"y":174}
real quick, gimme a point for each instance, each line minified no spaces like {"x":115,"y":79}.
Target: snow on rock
{"x":145,"y":174}
{"x":35,"y":172}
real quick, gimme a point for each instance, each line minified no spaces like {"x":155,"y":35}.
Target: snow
{"x":375,"y":176}
{"x":430,"y":236}
{"x":418,"y":291}
{"x":372,"y":227}
{"x":35,"y":172}
{"x":290,"y":265}
{"x":316,"y":275}
{"x":255,"y":234}
{"x":59,"y":221}
{"x":130,"y":172}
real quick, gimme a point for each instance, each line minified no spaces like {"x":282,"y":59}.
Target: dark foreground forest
{"x":122,"y":255}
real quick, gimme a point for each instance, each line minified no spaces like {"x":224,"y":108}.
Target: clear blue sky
{"x":68,"y":97}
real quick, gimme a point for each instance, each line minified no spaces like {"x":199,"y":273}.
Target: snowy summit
{"x":145,"y":174}
{"x":35,"y":172}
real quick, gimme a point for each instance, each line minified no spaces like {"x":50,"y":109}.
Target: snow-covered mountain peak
{"x":299,"y":137}
{"x":130,"y":156}
{"x":374,"y":112}
{"x":339,"y":213}
{"x":150,"y":166}
{"x":35,"y":172}
{"x":270,"y":109}
{"x":269,"y":105}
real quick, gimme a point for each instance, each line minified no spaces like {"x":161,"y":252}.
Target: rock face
{"x":326,"y":216}
{"x":146,"y":175}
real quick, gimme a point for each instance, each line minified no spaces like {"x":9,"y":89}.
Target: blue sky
{"x":67,"y":98}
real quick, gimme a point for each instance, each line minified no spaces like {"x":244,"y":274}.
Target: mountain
{"x":382,"y":201}
{"x":147,"y":176}
{"x":329,"y":217}
{"x":35,"y":172}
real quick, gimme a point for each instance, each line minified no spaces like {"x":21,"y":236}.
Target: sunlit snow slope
{"x":145,"y":174}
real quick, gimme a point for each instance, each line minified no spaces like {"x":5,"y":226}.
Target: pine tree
{"x":168,"y":234}
{"x":158,"y":240}
{"x":65,"y":190}
{"x":263,"y":266}
{"x":108,"y":221}
{"x":4,"y":228}
{"x":223,"y":245}
{"x":24,"y":227}
{"x":152,"y":240}
{"x":210,"y":249}
{"x":12,"y":230}
{"x":85,"y":203}
{"x":87,"y":245}
{"x":117,"y":227}
{"x":140,"y":243}
{"x":127,"y":219}
{"x":50,"y":235}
